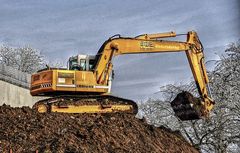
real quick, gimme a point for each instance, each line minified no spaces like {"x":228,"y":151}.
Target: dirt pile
{"x":23,"y":130}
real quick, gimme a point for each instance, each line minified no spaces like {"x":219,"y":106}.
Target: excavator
{"x":85,"y":86}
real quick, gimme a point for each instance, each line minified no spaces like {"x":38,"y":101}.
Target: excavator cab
{"x":81,"y":62}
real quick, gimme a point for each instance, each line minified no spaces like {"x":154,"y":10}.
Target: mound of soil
{"x":23,"y":130}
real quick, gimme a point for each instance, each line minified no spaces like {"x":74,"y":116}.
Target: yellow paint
{"x":42,"y":108}
{"x":92,"y":109}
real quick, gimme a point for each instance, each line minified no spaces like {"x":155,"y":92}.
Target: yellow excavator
{"x":84,"y":87}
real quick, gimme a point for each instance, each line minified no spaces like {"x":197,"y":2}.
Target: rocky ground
{"x":23,"y":130}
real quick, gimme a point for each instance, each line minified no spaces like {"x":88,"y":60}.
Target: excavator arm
{"x":152,"y":43}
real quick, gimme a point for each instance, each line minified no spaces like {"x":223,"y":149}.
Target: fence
{"x":13,"y":76}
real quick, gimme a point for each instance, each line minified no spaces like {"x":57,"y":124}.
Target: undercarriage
{"x":86,"y":104}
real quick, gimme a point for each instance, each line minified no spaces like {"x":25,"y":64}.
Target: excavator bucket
{"x":186,"y":106}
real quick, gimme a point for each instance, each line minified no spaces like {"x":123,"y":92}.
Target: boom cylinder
{"x":157,"y":35}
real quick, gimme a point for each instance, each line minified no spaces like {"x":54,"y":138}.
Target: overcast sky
{"x":62,"y":28}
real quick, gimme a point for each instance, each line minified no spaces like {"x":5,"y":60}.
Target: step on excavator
{"x":85,"y":86}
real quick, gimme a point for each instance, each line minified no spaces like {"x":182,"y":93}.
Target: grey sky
{"x":62,"y":28}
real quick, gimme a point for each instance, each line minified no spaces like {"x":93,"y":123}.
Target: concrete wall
{"x":14,"y":88}
{"x":14,"y":95}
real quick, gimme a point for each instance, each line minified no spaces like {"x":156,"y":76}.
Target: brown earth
{"x":23,"y":130}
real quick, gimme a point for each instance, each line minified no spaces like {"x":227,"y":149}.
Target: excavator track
{"x":86,"y":104}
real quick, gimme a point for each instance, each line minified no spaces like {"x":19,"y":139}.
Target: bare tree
{"x":25,"y":59}
{"x":225,"y":85}
{"x":7,"y":55}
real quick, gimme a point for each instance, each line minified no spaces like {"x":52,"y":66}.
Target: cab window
{"x":83,"y":64}
{"x":91,"y":64}
{"x":72,"y":64}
